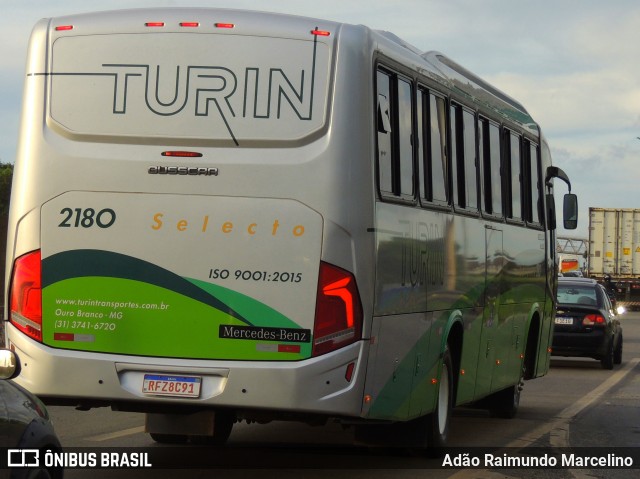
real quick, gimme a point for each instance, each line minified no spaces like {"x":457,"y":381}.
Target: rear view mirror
{"x":9,"y":365}
{"x":570,"y":211}
{"x":570,"y":205}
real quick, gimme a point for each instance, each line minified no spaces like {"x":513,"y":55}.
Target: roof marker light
{"x":154,"y":24}
{"x":320,"y":33}
{"x":224,"y":25}
{"x":61,"y":28}
{"x":190,"y":24}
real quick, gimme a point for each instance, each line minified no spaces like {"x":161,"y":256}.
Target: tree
{"x":6,"y":175}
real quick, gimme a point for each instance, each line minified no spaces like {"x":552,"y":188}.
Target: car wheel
{"x":617,"y":354}
{"x":438,"y":420}
{"x":607,"y":359}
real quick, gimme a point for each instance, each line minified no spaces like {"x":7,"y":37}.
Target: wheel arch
{"x":453,"y":339}
{"x":532,"y":343}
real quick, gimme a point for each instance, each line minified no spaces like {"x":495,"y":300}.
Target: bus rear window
{"x":228,"y":88}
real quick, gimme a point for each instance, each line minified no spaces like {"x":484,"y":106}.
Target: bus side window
{"x":513,"y":181}
{"x":532,"y":183}
{"x":454,"y":141}
{"x":405,"y":136}
{"x":395,"y":136}
{"x":385,"y":155}
{"x":463,"y":158}
{"x":470,"y":163}
{"x":432,"y":131}
{"x":384,"y":122}
{"x":424,"y":174}
{"x":489,"y":165}
{"x":536,"y":182}
{"x":438,"y":145}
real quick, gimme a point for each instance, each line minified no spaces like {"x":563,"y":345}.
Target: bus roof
{"x":461,"y":81}
{"x":455,"y":79}
{"x":202,"y":20}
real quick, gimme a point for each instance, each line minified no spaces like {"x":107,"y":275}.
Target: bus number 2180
{"x":87,"y":217}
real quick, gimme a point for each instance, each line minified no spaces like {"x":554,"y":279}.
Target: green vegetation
{"x":6,"y":173}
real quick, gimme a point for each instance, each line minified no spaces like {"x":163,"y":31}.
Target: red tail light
{"x":182,"y":154}
{"x":26,"y":295}
{"x":593,"y":320}
{"x":338,"y":319}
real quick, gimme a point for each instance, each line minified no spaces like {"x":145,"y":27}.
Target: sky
{"x":572,"y":63}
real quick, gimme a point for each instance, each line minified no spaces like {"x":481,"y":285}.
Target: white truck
{"x":614,"y":250}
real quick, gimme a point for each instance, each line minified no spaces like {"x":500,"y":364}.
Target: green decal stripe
{"x":393,"y":400}
{"x":177,"y":326}
{"x":97,"y":263}
{"x":260,"y":313}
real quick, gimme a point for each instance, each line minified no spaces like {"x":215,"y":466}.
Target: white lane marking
{"x":558,"y":427}
{"x":561,"y":420}
{"x":116,"y":434}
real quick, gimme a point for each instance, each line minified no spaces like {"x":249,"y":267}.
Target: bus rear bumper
{"x":86,"y":379}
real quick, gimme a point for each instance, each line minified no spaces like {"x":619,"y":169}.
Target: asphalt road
{"x":578,"y":404}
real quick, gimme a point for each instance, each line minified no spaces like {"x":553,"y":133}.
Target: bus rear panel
{"x":166,"y":249}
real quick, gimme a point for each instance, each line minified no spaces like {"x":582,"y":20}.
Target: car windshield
{"x":575,"y":294}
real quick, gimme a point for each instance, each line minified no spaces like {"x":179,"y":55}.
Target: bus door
{"x":494,"y":264}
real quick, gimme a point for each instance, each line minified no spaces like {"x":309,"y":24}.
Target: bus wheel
{"x":169,"y":438}
{"x":505,"y":403}
{"x":223,"y":424}
{"x":438,"y":420}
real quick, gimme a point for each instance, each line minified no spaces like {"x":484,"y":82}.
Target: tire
{"x":438,"y":421}
{"x":505,"y":403}
{"x":608,"y":359}
{"x":169,"y":438}
{"x":36,"y":474}
{"x":617,"y":353}
{"x":223,"y":424}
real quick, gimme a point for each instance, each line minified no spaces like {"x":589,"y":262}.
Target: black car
{"x":586,"y":324}
{"x":24,"y":424}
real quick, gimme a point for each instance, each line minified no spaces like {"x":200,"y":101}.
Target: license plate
{"x":176,"y":386}
{"x":564,"y":320}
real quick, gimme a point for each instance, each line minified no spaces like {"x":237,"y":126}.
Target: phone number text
{"x":63,"y":323}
